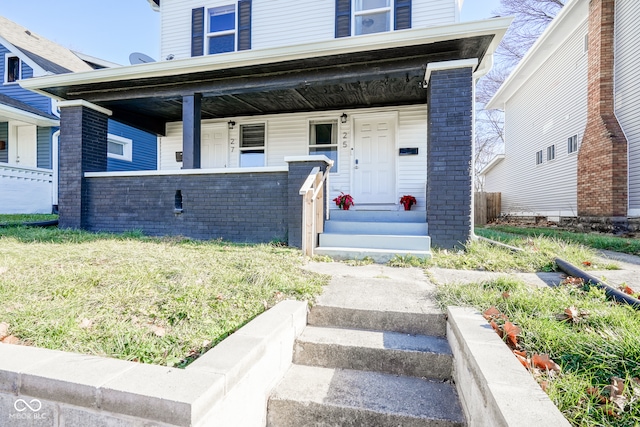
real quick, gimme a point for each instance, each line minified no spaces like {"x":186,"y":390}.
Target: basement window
{"x":539,"y":158}
{"x":119,"y":148}
{"x":572,"y":144}
{"x":252,"y":145}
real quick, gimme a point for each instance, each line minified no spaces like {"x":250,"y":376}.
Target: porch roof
{"x":367,"y":71}
{"x":12,"y":109}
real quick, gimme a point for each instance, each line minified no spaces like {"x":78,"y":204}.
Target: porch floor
{"x":380,"y":235}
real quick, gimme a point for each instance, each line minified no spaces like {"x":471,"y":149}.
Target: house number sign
{"x":345,"y":139}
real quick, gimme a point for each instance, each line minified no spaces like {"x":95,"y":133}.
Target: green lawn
{"x":19,"y":219}
{"x":161,"y":301}
{"x":593,"y":240}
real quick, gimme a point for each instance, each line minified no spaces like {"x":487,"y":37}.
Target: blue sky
{"x":112,"y":30}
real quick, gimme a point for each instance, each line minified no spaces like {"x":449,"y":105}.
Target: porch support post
{"x":191,"y":119}
{"x":450,"y":153}
{"x":82,"y":148}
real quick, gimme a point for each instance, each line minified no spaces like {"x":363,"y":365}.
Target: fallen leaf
{"x":570,"y":280}
{"x":543,"y":361}
{"x":220,"y":297}
{"x":586,"y":263}
{"x":595,"y":392}
{"x":573,"y":314}
{"x":523,"y":360}
{"x":512,"y":332}
{"x":520,"y":353}
{"x":544,"y":385}
{"x":491,"y":313}
{"x":496,"y":328}
{"x":86,"y":323}
{"x":10,"y":339}
{"x":616,"y":393}
{"x":4,"y":330}
{"x":627,"y":290}
{"x":158,"y":331}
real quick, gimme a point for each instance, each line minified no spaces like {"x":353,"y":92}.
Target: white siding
{"x":627,"y":90}
{"x":548,"y":109}
{"x":288,"y":135}
{"x":282,"y":22}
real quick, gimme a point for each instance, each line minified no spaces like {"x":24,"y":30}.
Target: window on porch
{"x":323,"y":140}
{"x":252,"y":145}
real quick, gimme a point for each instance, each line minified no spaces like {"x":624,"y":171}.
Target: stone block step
{"x":374,"y":241}
{"x":425,"y":323}
{"x":380,"y":256}
{"x":313,"y":396}
{"x":381,"y":351}
{"x":378,"y":216}
{"x":376,"y":227}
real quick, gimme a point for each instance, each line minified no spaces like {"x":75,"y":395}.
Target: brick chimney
{"x":602,"y":158}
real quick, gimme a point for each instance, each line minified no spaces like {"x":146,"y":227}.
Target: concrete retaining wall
{"x":228,"y":386}
{"x":494,"y":388}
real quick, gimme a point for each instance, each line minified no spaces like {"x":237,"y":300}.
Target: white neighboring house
{"x":579,"y":78}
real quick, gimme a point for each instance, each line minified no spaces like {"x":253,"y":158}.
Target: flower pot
{"x":345,"y":207}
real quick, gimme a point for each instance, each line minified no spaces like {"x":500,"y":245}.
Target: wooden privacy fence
{"x":487,"y":207}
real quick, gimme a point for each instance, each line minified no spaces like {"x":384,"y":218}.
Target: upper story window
{"x":539,"y":158}
{"x":372,"y":16}
{"x":222,"y":29}
{"x":551,"y":152}
{"x":357,"y":17}
{"x":572,"y":144}
{"x":12,"y":69}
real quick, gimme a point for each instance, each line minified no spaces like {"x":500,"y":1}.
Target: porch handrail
{"x":312,"y":204}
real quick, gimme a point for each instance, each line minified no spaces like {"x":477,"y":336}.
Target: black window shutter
{"x":343,"y":18}
{"x":244,"y":25}
{"x":197,"y":32}
{"x":403,"y":14}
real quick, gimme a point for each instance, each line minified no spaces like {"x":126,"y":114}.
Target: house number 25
{"x":345,"y":137}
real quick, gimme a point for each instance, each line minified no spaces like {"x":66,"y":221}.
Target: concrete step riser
{"x":387,"y":228}
{"x":298,"y":414}
{"x":398,"y":362}
{"x":380,"y":256}
{"x":433,"y":324}
{"x":370,"y":241}
{"x":378,"y":216}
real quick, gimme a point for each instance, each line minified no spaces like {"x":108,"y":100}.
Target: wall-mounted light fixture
{"x":343,"y":118}
{"x":231,"y":124}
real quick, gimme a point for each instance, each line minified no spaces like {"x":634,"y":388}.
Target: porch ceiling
{"x":369,"y":78}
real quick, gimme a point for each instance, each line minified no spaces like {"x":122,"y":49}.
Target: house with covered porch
{"x":250,"y":97}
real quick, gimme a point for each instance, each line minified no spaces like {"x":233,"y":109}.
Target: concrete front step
{"x":376,"y":227}
{"x":378,"y":216}
{"x":380,"y":256}
{"x":389,"y":352}
{"x":375,"y":241}
{"x":314,"y":396}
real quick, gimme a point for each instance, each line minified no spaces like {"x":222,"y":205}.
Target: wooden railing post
{"x":312,"y":192}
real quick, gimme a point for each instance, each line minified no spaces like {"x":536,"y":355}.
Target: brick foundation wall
{"x":602,"y":158}
{"x":243,"y":207}
{"x":450,"y":157}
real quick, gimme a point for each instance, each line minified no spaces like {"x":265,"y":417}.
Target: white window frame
{"x":242,"y":149}
{"x":356,"y":13}
{"x":127,"y":148}
{"x":334,"y":143}
{"x":539,"y":157}
{"x":572,"y":144}
{"x":211,"y":35}
{"x":585,"y":46}
{"x":6,"y":69}
{"x":551,"y":152}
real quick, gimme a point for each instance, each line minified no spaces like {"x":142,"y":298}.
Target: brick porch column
{"x":82,"y":148}
{"x":450,"y":152}
{"x":299,"y":169}
{"x":602,"y":158}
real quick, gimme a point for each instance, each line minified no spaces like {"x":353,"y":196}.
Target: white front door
{"x":374,"y":160}
{"x":214,"y":146}
{"x":25,"y":147}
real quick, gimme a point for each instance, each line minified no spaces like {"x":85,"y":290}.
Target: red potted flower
{"x":344,"y":201}
{"x":407,"y":202}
